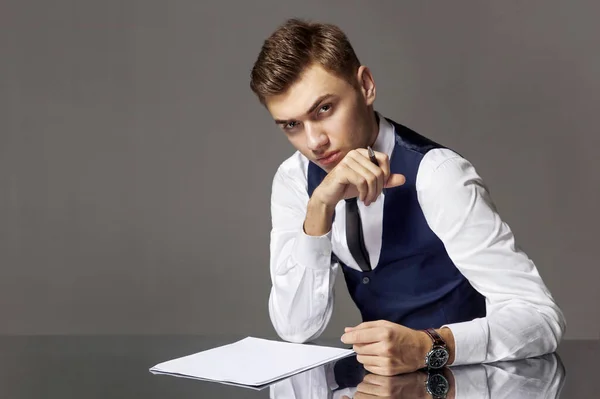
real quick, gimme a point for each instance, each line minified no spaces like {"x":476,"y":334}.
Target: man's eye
{"x":325,"y":107}
{"x":290,"y":125}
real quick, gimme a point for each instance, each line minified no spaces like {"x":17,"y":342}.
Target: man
{"x":434,"y":271}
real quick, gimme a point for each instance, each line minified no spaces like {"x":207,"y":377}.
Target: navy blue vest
{"x":415,"y":283}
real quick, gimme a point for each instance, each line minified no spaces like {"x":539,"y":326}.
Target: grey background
{"x":136,"y":165}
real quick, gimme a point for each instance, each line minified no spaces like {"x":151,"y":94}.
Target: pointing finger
{"x":363,"y":336}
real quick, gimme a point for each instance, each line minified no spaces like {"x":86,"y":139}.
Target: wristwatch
{"x":438,"y":356}
{"x":437,"y":384}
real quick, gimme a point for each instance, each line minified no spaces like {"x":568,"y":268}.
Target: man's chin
{"x":327,"y":168}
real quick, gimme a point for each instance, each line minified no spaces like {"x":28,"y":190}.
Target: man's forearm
{"x":301,"y":301}
{"x":319,"y":218}
{"x":447,"y":335}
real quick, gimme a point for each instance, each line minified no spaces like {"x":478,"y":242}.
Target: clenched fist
{"x":357,"y":176}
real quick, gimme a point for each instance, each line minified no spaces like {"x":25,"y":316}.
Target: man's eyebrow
{"x":311,"y":109}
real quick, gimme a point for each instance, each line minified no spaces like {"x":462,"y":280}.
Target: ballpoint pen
{"x":374,"y":160}
{"x":372,"y":155}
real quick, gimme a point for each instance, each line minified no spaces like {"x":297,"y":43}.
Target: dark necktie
{"x":354,"y":235}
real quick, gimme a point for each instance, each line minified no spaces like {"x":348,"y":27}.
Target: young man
{"x":434,"y":271}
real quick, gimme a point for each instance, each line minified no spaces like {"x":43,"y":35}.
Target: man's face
{"x":323,"y":116}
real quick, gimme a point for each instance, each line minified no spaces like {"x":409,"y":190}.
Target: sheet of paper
{"x":251,"y":361}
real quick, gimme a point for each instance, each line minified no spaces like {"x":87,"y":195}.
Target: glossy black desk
{"x":117,"y":367}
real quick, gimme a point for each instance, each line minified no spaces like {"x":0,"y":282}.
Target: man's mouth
{"x":329,"y":158}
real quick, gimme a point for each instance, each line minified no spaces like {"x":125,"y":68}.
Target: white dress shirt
{"x":522,"y":318}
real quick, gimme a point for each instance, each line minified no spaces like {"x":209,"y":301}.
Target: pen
{"x":372,"y":155}
{"x":373,"y":159}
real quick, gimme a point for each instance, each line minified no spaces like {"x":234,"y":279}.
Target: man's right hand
{"x":357,"y":176}
{"x":354,"y":176}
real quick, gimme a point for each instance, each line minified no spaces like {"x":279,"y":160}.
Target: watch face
{"x":437,"y":358}
{"x":438,"y":386}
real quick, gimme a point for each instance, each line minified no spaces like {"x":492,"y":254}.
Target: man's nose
{"x":316,"y":138}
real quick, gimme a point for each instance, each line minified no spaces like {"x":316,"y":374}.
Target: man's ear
{"x":367,"y":84}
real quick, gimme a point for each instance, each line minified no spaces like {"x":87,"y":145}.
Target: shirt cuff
{"x":470,"y":342}
{"x":313,"y":252}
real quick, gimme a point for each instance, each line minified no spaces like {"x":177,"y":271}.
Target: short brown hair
{"x":294,"y":46}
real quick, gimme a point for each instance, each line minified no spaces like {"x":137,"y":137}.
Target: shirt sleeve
{"x":522,"y":319}
{"x":301,"y":267}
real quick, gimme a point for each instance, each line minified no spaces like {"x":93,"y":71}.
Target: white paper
{"x":251,"y":361}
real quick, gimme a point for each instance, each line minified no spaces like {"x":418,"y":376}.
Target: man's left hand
{"x":387,"y":348}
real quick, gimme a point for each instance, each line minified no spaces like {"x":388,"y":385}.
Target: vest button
{"x":366,"y":280}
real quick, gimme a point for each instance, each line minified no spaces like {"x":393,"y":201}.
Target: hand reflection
{"x":529,"y":378}
{"x":410,"y":385}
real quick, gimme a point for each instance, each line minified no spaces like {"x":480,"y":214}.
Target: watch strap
{"x":435,"y":337}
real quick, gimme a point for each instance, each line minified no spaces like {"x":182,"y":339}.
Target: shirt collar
{"x":385,"y":138}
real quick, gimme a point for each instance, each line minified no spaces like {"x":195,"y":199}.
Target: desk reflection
{"x":540,"y":377}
